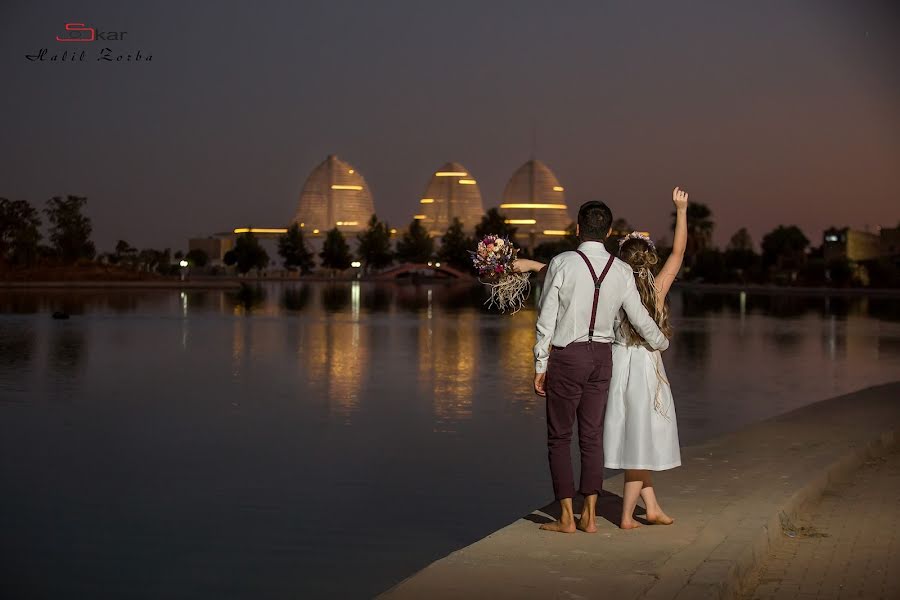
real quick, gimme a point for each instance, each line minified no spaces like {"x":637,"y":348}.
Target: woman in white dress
{"x":640,"y":434}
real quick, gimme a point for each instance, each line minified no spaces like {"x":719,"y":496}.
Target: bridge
{"x":410,"y":269}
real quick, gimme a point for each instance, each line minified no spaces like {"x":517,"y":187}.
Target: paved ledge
{"x":729,"y":500}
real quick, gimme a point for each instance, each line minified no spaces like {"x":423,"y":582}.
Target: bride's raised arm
{"x":670,"y":269}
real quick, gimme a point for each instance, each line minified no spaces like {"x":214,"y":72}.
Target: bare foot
{"x":659,"y":518}
{"x":587,"y":524}
{"x":559,"y":526}
{"x":629,"y":524}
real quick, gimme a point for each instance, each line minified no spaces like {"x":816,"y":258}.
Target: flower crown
{"x":637,"y":235}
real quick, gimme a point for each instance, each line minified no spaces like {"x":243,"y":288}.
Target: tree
{"x":248,"y":254}
{"x":741,"y":241}
{"x":293,"y":250}
{"x":375,"y":245}
{"x":784,"y":247}
{"x":455,"y":247}
{"x":494,"y":223}
{"x":335,"y":252}
{"x":70,"y":231}
{"x":416,"y":246}
{"x":19,"y":232}
{"x":197,"y":257}
{"x":699,"y":227}
{"x":545,"y":251}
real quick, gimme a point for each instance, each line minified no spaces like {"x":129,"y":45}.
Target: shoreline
{"x":733,"y":500}
{"x":235,"y":282}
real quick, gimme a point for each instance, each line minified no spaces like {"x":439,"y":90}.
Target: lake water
{"x":316,"y":439}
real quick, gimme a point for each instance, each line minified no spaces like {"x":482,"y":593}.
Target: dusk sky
{"x":768,"y":112}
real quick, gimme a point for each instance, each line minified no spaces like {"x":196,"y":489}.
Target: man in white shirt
{"x":583,"y":292}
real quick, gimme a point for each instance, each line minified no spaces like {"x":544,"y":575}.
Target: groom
{"x":583,"y":292}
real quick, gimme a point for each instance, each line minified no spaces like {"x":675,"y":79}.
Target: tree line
{"x":786,"y":255}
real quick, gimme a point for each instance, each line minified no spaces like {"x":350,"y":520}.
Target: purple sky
{"x":768,"y":111}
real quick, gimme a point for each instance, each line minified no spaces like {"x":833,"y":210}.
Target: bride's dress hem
{"x":643,"y":467}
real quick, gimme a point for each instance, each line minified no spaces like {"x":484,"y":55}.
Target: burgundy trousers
{"x":577,"y":386}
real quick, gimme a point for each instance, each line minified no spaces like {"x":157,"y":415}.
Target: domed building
{"x":535,"y":203}
{"x":334,"y":195}
{"x":451,"y":193}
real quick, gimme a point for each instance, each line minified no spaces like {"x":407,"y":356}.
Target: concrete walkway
{"x":729,"y":500}
{"x":846,"y":546}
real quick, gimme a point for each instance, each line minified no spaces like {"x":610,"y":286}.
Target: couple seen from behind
{"x":602,"y":324}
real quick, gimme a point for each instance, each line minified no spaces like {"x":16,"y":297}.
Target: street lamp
{"x":183,"y":264}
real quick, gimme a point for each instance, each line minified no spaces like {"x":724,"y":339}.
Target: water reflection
{"x":448,"y":355}
{"x":515,"y":344}
{"x":248,"y":298}
{"x":67,"y":347}
{"x":335,"y":355}
{"x":377,"y":298}
{"x":336,"y":296}
{"x":17,"y":345}
{"x":295,"y":298}
{"x":391,"y":391}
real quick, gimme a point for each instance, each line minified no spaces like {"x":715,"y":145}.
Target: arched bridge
{"x":412,"y":268}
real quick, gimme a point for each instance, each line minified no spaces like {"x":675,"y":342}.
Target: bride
{"x":640,"y":433}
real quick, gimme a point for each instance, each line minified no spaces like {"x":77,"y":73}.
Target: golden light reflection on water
{"x":448,"y":360}
{"x":517,"y":359}
{"x":334,"y":355}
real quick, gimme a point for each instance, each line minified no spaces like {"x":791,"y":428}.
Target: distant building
{"x":850,"y":244}
{"x":335,"y":195}
{"x":452,"y":193}
{"x":215,"y":246}
{"x":535,"y":203}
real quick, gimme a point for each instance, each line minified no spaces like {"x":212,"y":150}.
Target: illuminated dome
{"x":535,"y":202}
{"x":334,"y":194}
{"x":451,"y":193}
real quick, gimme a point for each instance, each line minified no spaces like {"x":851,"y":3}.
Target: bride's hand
{"x":680,"y":199}
{"x":524,"y":265}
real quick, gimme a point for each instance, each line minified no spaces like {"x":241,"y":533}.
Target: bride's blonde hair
{"x":641,"y":256}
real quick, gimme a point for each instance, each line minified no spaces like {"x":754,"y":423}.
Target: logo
{"x":75,"y":31}
{"x":81,"y":33}
{"x":78,"y":32}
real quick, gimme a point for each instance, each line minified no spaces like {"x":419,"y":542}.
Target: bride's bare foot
{"x":587,"y":523}
{"x":659,"y":518}
{"x":629,"y":524}
{"x":559,"y":526}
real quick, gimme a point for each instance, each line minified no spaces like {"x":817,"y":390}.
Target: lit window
{"x":555,"y":232}
{"x":450,"y":174}
{"x":351,"y":171}
{"x":529,"y":205}
{"x":558,"y":188}
{"x":260,"y":230}
{"x":467,"y":181}
{"x":427,"y":200}
{"x":419,"y":217}
{"x":520,"y":221}
{"x":346,"y":187}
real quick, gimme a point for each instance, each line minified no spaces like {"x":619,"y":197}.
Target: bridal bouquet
{"x":494,"y":260}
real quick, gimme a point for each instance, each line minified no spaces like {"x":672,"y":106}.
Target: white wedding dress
{"x":640,"y":430}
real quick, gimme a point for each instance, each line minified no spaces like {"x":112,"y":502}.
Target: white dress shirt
{"x":568,"y":297}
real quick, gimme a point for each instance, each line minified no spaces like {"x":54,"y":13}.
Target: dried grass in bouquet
{"x":494,"y":260}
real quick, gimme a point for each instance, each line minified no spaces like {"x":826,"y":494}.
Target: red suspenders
{"x":598,"y":281}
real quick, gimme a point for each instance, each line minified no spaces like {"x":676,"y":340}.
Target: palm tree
{"x":700,"y":226}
